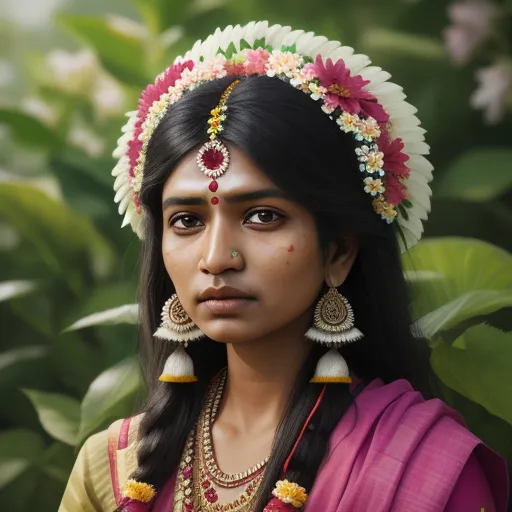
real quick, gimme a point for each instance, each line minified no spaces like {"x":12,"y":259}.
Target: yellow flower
{"x":289,"y":492}
{"x":386,"y":210}
{"x":138,"y":491}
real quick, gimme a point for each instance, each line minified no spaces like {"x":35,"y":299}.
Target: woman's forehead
{"x":242,"y":175}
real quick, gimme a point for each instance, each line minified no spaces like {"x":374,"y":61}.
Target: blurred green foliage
{"x":68,"y":273}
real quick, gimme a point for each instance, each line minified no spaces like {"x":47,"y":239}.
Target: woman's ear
{"x":340,"y":258}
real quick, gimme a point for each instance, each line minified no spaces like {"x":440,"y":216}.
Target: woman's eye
{"x":185,"y":222}
{"x":263,"y":217}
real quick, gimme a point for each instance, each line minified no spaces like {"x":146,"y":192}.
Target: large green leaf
{"x":16,"y":363}
{"x":19,"y":451}
{"x":10,"y":289}
{"x":128,"y":313}
{"x":160,"y":15}
{"x":29,"y":131}
{"x":120,"y":54}
{"x":106,"y":393}
{"x":63,"y":239}
{"x":59,"y":414}
{"x":478,"y":175}
{"x":477,"y":280}
{"x":478,"y":367}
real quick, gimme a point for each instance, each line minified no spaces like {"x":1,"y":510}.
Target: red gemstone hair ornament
{"x":213,"y":157}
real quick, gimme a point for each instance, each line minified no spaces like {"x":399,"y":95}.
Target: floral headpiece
{"x":389,"y":142}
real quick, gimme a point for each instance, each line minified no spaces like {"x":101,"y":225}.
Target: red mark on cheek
{"x":291,"y":248}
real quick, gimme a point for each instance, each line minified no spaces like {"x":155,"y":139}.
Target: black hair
{"x":305,"y":154}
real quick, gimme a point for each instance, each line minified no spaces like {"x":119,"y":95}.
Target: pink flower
{"x":495,"y":82}
{"x":345,"y":91}
{"x":256,"y":61}
{"x":150,"y":94}
{"x":471,"y":20}
{"x":394,"y":166}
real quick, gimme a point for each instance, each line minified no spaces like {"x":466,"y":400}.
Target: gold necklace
{"x":228,"y":480}
{"x":194,"y":492}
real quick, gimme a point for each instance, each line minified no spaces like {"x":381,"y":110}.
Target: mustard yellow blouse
{"x":89,"y":488}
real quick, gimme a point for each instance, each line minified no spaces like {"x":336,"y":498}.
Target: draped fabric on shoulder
{"x":395,"y":453}
{"x":104,"y":463}
{"x":401,"y":453}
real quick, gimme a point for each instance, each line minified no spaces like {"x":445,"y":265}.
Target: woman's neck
{"x":261,"y":376}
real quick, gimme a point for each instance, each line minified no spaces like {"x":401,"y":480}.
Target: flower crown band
{"x":389,"y":143}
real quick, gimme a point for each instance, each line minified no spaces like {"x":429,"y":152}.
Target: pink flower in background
{"x":495,"y":84}
{"x":471,"y":20}
{"x":345,"y":91}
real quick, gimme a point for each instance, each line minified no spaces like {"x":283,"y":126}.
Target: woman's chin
{"x":232,"y":330}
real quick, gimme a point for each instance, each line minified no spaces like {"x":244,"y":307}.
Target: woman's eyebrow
{"x":229,"y":198}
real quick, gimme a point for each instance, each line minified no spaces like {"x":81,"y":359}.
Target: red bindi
{"x":291,"y":248}
{"x":214,"y":200}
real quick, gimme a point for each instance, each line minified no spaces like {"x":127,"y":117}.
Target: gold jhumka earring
{"x":333,"y":326}
{"x":177,"y":326}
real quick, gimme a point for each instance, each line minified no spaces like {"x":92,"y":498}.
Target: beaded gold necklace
{"x":199,"y":472}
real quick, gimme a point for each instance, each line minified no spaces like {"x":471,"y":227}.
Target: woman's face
{"x":278,"y":272}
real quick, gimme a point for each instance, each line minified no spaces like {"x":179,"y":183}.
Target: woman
{"x":273,"y":185}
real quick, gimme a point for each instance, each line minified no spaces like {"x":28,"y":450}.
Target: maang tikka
{"x":333,"y":326}
{"x":213,"y":157}
{"x":213,"y":160}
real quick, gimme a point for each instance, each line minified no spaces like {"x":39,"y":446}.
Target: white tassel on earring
{"x":179,"y":367}
{"x":177,"y":326}
{"x":331,"y":368}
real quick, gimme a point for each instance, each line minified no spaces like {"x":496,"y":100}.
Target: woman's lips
{"x":233,"y":305}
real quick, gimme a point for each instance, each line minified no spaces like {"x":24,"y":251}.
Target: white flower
{"x":471,"y":20}
{"x":39,"y":109}
{"x":495,"y":82}
{"x":86,"y":140}
{"x":73,"y":72}
{"x":107,"y":96}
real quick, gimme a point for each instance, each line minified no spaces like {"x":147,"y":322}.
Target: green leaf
{"x":20,"y":361}
{"x":479,"y":175}
{"x":128,"y":313}
{"x":59,"y":414}
{"x":63,"y":239}
{"x":106,"y":393}
{"x":230,"y":51}
{"x":259,"y":43}
{"x":11,"y":289}
{"x":493,"y":431}
{"x":21,"y":444}
{"x":481,"y":370}
{"x":162,"y":14}
{"x":385,"y":41}
{"x":20,"y":450}
{"x":292,"y":48}
{"x":476,"y":279}
{"x":469,"y":305}
{"x":121,"y":55}
{"x":29,"y":131}
{"x":11,"y":469}
{"x":244,"y":45}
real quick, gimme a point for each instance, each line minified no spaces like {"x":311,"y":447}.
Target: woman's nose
{"x":220,"y":251}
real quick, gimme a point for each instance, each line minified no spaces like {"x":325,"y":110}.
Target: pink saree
{"x":400,"y":453}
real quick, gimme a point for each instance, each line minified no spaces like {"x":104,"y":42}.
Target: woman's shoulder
{"x":105,"y":458}
{"x":405,"y":449}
